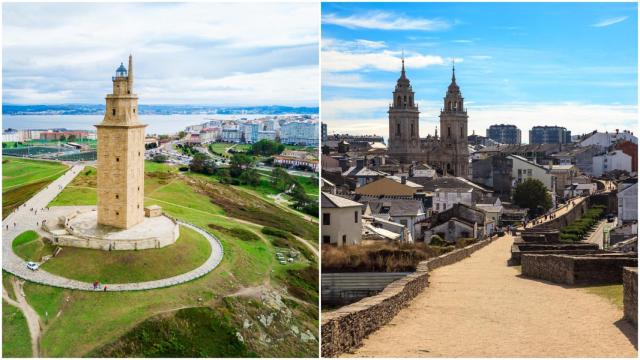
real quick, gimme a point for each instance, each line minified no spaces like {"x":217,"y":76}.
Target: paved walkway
{"x":25,"y":219}
{"x":479,"y":307}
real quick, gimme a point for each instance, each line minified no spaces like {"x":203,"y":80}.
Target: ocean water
{"x":157,"y":124}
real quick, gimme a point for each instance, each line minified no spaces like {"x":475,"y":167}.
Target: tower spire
{"x":453,"y":69}
{"x":403,"y":73}
{"x":130,"y":74}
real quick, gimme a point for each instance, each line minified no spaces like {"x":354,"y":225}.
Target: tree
{"x":72,"y":137}
{"x":281,"y":180}
{"x":266,"y":147}
{"x":181,"y":134}
{"x":250,"y":177}
{"x":63,"y":138}
{"x":159,"y":158}
{"x":197,"y":163}
{"x":240,"y":162}
{"x":532,"y":194}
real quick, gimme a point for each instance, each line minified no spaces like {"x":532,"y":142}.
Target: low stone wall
{"x":345,"y":328}
{"x":630,"y":284}
{"x":577,"y":269}
{"x":520,"y":248}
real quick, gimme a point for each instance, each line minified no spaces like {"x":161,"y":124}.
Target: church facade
{"x":120,"y":159}
{"x":450,"y":151}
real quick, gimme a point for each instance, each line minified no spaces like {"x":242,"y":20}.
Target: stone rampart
{"x":345,"y":328}
{"x":630,"y":299}
{"x":577,"y":269}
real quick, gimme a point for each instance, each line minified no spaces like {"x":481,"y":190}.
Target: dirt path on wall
{"x":479,"y":307}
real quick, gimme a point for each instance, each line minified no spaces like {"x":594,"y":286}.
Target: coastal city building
{"x":504,"y":134}
{"x":549,"y":135}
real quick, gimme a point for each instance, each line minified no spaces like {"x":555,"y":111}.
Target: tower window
{"x":117,"y":196}
{"x":398,"y":129}
{"x":117,"y":159}
{"x":449,"y":131}
{"x":117,"y":213}
{"x":113,"y":112}
{"x":138,"y":153}
{"x":461,"y":131}
{"x":138,"y":188}
{"x":134,"y":110}
{"x":412,"y":132}
{"x":138,"y":206}
{"x":398,"y":102}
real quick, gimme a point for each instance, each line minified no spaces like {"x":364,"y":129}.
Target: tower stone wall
{"x":120,"y":159}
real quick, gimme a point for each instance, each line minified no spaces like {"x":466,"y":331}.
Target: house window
{"x":113,"y":112}
{"x":403,"y":222}
{"x":437,"y":206}
{"x":326,"y":239}
{"x":344,"y":239}
{"x":326,"y":219}
{"x":356,"y":216}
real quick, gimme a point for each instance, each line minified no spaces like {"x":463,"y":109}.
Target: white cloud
{"x":354,"y":81}
{"x":610,"y":21}
{"x":385,"y":21}
{"x":333,"y":60}
{"x":463,"y":41}
{"x":364,"y":116}
{"x":66,"y":49}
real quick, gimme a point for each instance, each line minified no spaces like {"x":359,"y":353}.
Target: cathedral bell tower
{"x":120,"y":159}
{"x":404,"y":138}
{"x":453,"y":128}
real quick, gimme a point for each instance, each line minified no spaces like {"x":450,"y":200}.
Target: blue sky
{"x":184,"y":53}
{"x":569,"y":64}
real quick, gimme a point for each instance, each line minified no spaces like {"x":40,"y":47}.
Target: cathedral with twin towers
{"x":449,"y":152}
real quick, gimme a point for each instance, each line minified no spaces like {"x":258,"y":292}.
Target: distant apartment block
{"x":324,"y":134}
{"x":300,"y":133}
{"x":549,"y":135}
{"x":504,"y":134}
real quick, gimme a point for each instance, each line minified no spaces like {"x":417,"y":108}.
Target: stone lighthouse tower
{"x":121,"y":155}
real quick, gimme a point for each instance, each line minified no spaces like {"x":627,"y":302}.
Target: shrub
{"x":437,"y":241}
{"x":267,"y":230}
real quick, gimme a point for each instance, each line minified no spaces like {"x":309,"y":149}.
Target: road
{"x":479,"y":307}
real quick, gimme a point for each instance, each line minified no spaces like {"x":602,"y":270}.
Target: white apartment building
{"x":341,"y":220}
{"x":444,"y":198}
{"x":614,"y":160}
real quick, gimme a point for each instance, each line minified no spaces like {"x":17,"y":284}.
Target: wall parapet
{"x":630,"y":299}
{"x":346,"y":327}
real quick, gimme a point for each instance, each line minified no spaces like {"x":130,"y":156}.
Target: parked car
{"x":32,"y":266}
